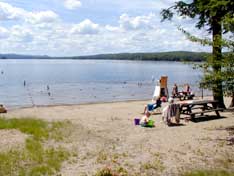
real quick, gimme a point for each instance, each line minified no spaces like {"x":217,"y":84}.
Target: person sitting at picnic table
{"x":175,"y":91}
{"x":187,"y":93}
{"x":187,"y":90}
{"x":151,"y":107}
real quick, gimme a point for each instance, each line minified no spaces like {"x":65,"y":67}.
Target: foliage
{"x":225,"y":74}
{"x":218,"y":16}
{"x":208,"y":173}
{"x":162,"y":56}
{"x":105,"y":172}
{"x":205,"y":11}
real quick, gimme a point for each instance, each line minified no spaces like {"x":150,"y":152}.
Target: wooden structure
{"x":163,"y":86}
{"x":200,"y":107}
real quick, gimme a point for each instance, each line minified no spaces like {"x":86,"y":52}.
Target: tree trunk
{"x":232,"y":102}
{"x":217,"y":58}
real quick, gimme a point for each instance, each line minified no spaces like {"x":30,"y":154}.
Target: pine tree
{"x":212,"y":13}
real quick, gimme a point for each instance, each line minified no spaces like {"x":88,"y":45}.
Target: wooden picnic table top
{"x":197,"y":102}
{"x":193,"y":107}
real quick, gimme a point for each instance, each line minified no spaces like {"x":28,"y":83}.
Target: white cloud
{"x":41,"y":17}
{"x":72,"y":4}
{"x":138,"y":22}
{"x":21,"y":34}
{"x":3,"y":33}
{"x":43,"y":32}
{"x":8,"y":12}
{"x":112,"y":28}
{"x":85,"y":27}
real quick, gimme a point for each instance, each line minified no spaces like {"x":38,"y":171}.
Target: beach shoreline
{"x":18,"y":107}
{"x":107,"y":129}
{"x":10,"y":108}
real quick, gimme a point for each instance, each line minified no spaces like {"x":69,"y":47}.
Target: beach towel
{"x":172,"y":110}
{"x":156,"y":92}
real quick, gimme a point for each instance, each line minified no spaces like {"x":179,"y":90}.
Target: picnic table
{"x":194,"y":107}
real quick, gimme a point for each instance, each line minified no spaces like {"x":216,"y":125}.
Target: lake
{"x":54,"y":82}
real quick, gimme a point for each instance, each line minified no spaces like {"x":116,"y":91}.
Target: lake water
{"x":86,"y":81}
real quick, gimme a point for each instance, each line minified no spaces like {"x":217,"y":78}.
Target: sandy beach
{"x":104,"y":135}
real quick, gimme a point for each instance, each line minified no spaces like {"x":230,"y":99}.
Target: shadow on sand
{"x":176,"y":125}
{"x":206,"y":118}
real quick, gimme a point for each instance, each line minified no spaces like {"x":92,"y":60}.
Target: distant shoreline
{"x":157,"y":56}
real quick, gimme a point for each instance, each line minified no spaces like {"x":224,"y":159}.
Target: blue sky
{"x":85,"y":27}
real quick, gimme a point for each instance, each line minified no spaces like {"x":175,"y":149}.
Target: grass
{"x":34,"y":159}
{"x":102,"y":157}
{"x":120,"y":171}
{"x":37,"y":128}
{"x":208,"y":173}
{"x":106,"y":172}
{"x":156,"y":165}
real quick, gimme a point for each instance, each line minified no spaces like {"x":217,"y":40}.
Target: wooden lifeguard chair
{"x":163,"y":87}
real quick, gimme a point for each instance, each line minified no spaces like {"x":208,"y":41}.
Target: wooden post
{"x":202,"y":92}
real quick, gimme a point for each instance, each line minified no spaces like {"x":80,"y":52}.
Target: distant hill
{"x":19,"y":56}
{"x":159,"y":56}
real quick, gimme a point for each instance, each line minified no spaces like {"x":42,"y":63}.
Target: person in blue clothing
{"x":151,"y":107}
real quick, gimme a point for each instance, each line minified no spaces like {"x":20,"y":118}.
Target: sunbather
{"x":151,"y":107}
{"x":186,"y":89}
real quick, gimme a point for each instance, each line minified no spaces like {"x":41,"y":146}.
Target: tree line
{"x":156,"y":56}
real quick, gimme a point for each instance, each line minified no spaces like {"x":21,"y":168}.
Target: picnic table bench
{"x":199,"y":107}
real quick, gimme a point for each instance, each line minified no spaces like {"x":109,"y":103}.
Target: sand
{"x":104,"y":135}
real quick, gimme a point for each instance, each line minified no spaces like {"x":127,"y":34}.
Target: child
{"x":145,"y":119}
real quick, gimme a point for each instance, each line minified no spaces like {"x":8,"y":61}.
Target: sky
{"x":88,"y":27}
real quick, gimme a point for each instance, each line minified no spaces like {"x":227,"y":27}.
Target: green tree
{"x":228,"y":76}
{"x":227,"y":65}
{"x":214,"y":14}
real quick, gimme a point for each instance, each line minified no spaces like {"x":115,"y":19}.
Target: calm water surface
{"x":86,"y":81}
